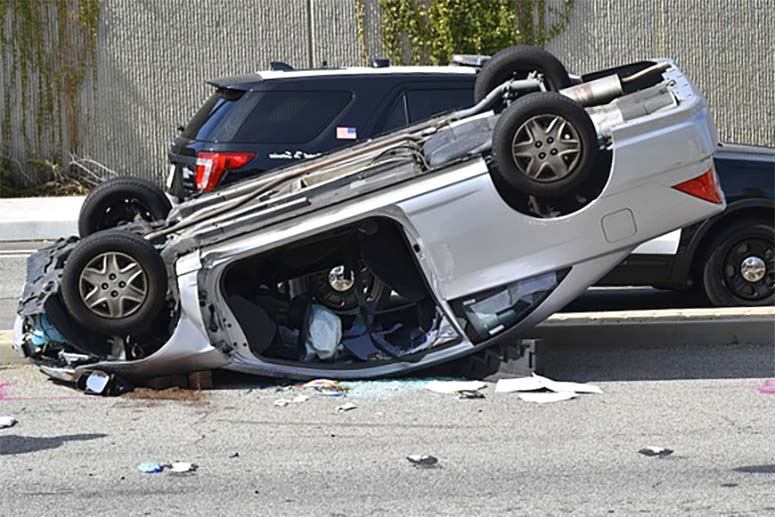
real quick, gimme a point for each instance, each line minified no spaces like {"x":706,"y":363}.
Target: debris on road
{"x":7,"y":421}
{"x":767,"y":387}
{"x":176,"y":467}
{"x":454,"y":386}
{"x":150,"y":467}
{"x":470,"y":394}
{"x":349,"y":406}
{"x":235,"y":455}
{"x":298,"y":399}
{"x":542,"y":397}
{"x":423,"y":461}
{"x":542,"y":390}
{"x":656,"y":451}
{"x":282,"y":402}
{"x":100,"y":383}
{"x":182,"y":467}
{"x":326,"y":387}
{"x":537,"y":382}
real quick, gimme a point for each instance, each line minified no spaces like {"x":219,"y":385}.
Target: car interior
{"x":348,"y":295}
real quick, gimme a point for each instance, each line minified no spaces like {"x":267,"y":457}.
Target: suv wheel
{"x":740,"y":269}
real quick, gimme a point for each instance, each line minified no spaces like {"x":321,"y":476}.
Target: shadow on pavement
{"x":15,"y":444}
{"x":630,"y":362}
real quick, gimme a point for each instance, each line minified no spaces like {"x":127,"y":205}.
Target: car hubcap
{"x":753,"y":269}
{"x":546,"y":148}
{"x":113,"y":285}
{"x":339,"y":281}
{"x":749,"y":269}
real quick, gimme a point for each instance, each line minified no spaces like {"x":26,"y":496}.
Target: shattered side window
{"x":495,"y":310}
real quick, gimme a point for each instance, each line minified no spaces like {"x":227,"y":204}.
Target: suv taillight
{"x":210,"y":167}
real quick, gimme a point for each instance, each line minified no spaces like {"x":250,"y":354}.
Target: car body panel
{"x":747,"y":177}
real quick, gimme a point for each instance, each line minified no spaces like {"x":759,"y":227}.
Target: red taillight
{"x":705,"y":187}
{"x":211,"y":166}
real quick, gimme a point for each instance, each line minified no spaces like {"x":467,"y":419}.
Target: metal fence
{"x":153,"y":57}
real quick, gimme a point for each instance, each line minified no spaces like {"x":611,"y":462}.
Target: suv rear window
{"x":275,"y":117}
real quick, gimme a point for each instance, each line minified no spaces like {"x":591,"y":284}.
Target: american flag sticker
{"x":346,"y":133}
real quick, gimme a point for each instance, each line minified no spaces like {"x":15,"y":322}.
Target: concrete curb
{"x":39,"y":218}
{"x":676,"y":327}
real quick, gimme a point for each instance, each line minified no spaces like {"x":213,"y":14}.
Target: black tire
{"x":517,"y":62}
{"x":533,"y":111}
{"x":722,"y":276}
{"x":139,"y":315}
{"x":118,"y":201}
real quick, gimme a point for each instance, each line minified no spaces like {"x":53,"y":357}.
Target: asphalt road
{"x":72,"y":454}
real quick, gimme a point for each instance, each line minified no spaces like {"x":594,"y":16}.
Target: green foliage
{"x":47,"y":48}
{"x":430,"y":31}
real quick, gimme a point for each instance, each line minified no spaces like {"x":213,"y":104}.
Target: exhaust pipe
{"x":595,"y":92}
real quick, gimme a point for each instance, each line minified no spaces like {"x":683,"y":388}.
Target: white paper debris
{"x":519,"y":384}
{"x":7,"y":421}
{"x":542,"y":397}
{"x":575,"y":387}
{"x":298,"y":399}
{"x":282,"y":402}
{"x":454,"y":386}
{"x":349,"y":406}
{"x":180,"y":467}
{"x":537,"y":382}
{"x":96,"y":382}
{"x":656,"y":451}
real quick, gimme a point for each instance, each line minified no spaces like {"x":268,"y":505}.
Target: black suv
{"x":256,"y":122}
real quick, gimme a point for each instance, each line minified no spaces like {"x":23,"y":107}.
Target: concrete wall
{"x":154,"y":55}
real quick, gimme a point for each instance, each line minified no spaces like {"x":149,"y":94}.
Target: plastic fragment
{"x":7,"y":421}
{"x":423,"y":461}
{"x":470,"y":394}
{"x":97,"y":382}
{"x":767,"y":387}
{"x":349,"y":406}
{"x":656,"y":451}
{"x":149,"y":467}
{"x":454,"y":386}
{"x":282,"y":402}
{"x":181,"y":467}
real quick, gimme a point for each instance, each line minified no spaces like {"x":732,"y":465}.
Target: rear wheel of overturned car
{"x":545,"y":145}
{"x":740,"y":269}
{"x":114,"y":282}
{"x":518,"y":62}
{"x":119,"y":201}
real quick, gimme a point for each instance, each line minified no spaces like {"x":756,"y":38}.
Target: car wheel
{"x":516,"y":63}
{"x":122,"y":200}
{"x":544,"y":144}
{"x":740,"y":269}
{"x":336,"y":289}
{"x":115,"y":283}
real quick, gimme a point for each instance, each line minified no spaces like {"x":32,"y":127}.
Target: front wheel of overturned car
{"x":114,"y":282}
{"x":740,"y":269}
{"x":121,"y":200}
{"x":545,"y":145}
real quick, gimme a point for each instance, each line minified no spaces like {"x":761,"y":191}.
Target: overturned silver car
{"x":409,"y":250}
